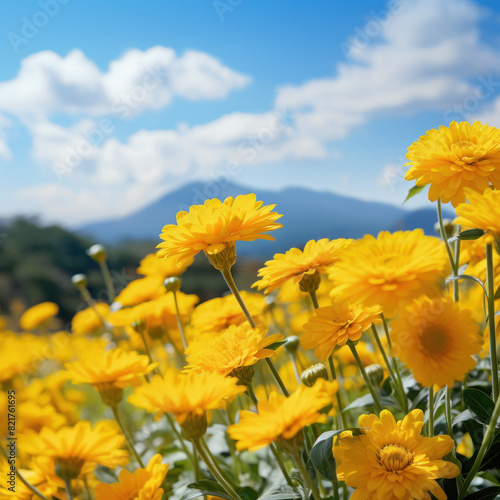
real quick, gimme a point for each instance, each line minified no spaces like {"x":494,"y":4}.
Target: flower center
{"x":434,"y":341}
{"x":465,"y":150}
{"x":394,"y":458}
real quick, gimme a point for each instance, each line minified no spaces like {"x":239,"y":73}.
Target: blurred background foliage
{"x":37,"y":263}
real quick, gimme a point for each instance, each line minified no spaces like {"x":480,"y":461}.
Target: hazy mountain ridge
{"x":307,"y":215}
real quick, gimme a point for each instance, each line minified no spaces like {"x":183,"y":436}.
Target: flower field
{"x":351,"y":369}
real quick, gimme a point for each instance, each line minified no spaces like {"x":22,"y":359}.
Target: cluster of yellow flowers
{"x":399,"y":323}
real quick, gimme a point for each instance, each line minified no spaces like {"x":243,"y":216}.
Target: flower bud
{"x":173,"y":284}
{"x":313,"y":373}
{"x":79,"y":280}
{"x":97,"y":253}
{"x":449,"y":228}
{"x":310,"y":282}
{"x":292,"y":344}
{"x":139,"y":325}
{"x":375,"y":374}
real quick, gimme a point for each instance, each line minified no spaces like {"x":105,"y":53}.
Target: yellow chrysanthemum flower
{"x":88,"y":321}
{"x":38,"y":315}
{"x":79,"y":447}
{"x":233,"y":352}
{"x":187,"y":396}
{"x":215,"y":226}
{"x":216,"y":315}
{"x":282,"y":417}
{"x":31,"y":415}
{"x":453,"y":158}
{"x":390,"y":270}
{"x":334,"y":325}
{"x":295,"y":264}
{"x":142,"y":484}
{"x":436,"y":338}
{"x":482,"y":211}
{"x":19,"y":354}
{"x":152,"y":265}
{"x":40,"y":473}
{"x":392,"y":461}
{"x":141,"y":290}
{"x":110,"y":371}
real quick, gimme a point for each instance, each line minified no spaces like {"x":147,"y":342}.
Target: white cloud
{"x":75,"y":205}
{"x":5,"y":152}
{"x":48,"y":83}
{"x":424,"y":58}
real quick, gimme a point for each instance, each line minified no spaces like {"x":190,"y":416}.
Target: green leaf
{"x":497,"y":293}
{"x":479,"y":404}
{"x":204,"y":487}
{"x":468,"y":234}
{"x":367,"y":400}
{"x":276,"y":344}
{"x":284,"y":492}
{"x":485,"y":494}
{"x":466,"y":277}
{"x":463,"y":417}
{"x":322,"y":453}
{"x":413,"y":191}
{"x":247,"y":493}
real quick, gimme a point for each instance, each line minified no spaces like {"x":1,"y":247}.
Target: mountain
{"x":307,"y":215}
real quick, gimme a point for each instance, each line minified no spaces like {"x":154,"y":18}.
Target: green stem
{"x":32,"y":488}
{"x":69,"y":491}
{"x":447,"y":409}
{"x":140,"y":331}
{"x":273,"y":447}
{"x":300,"y":464}
{"x":314,"y":299}
{"x":373,"y":391}
{"x":108,"y":280}
{"x":228,"y":277}
{"x":180,"y":357}
{"x":397,"y":383}
{"x":449,"y":429}
{"x":252,"y":395}
{"x":295,"y":367}
{"x":430,"y":404}
{"x":338,"y":394}
{"x":451,"y":257}
{"x":206,"y":456}
{"x":276,"y":453}
{"x":457,"y":266}
{"x":196,"y":466}
{"x":128,"y":439}
{"x":179,"y":322}
{"x":490,"y":283}
{"x":179,"y":437}
{"x":490,"y":431}
{"x":87,"y":298}
{"x":395,"y":363}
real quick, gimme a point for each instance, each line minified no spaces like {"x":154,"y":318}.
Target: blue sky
{"x":105,"y":106}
